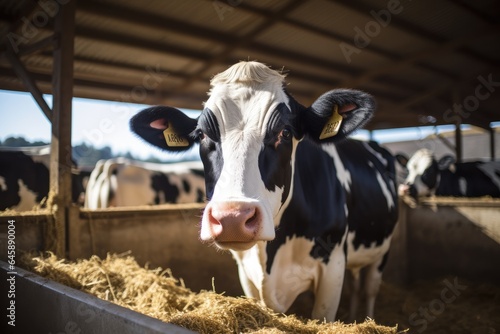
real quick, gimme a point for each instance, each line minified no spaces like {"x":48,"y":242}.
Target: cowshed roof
{"x":418,"y":58}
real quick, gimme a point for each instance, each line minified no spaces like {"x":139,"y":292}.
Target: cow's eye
{"x":199,"y":134}
{"x":286,"y":133}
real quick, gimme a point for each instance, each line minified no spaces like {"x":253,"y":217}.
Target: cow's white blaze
{"x":343,"y":175}
{"x":242,"y":100}
{"x":389,"y":199}
{"x":379,"y":156}
{"x":418,"y":163}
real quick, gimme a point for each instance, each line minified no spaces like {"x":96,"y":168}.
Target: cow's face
{"x":248,"y":133}
{"x":423,"y":174}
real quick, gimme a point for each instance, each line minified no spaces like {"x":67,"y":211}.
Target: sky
{"x":95,"y":122}
{"x":105,"y":123}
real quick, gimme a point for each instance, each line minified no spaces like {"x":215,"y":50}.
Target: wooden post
{"x":62,"y":91}
{"x":458,"y":141}
{"x":492,"y":142}
{"x":458,"y":130}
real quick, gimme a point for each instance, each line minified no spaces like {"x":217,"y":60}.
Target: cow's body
{"x":24,"y":178}
{"x":123,"y":182}
{"x":428,"y":177}
{"x":293,"y":200}
{"x":313,"y":226}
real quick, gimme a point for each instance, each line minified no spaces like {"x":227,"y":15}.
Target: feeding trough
{"x":45,"y":306}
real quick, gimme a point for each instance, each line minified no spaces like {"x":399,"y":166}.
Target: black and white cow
{"x":295,"y":209}
{"x":428,"y":177}
{"x":123,"y":182}
{"x":24,"y":178}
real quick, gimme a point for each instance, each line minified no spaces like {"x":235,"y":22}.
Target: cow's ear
{"x":402,"y":159}
{"x":446,"y":162}
{"x":337,"y":113}
{"x":164,"y":127}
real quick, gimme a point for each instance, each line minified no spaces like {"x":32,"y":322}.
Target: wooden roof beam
{"x":158,"y":22}
{"x":416,"y":30}
{"x":329,"y":34}
{"x":216,"y":36}
{"x":28,"y":81}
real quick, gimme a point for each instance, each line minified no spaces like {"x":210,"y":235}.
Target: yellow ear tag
{"x":173,"y":139}
{"x":333,"y":125}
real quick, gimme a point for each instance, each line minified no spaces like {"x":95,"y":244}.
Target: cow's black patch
{"x":210,"y":149}
{"x":186,"y":186}
{"x":207,"y":123}
{"x":429,"y":176}
{"x":276,"y":153}
{"x":17,"y":166}
{"x":200,"y":196}
{"x":197,"y":172}
{"x":161,"y":184}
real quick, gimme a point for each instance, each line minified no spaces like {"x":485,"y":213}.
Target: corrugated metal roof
{"x":420,"y":60}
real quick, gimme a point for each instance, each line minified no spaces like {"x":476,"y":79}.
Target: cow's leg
{"x":372,"y":285}
{"x":354,"y":301}
{"x":329,"y":288}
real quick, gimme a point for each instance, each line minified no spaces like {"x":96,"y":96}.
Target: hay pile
{"x":119,"y":279}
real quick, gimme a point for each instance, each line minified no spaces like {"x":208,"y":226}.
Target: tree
{"x":21,"y":142}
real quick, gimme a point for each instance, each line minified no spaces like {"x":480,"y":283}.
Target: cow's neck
{"x":307,"y":215}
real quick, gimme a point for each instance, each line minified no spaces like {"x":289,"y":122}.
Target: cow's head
{"x":248,"y":133}
{"x":423,"y":173}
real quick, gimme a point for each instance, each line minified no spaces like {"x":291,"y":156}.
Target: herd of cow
{"x":24,"y":180}
{"x":285,"y":190}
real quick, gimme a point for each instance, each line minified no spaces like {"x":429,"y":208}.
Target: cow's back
{"x":470,"y":179}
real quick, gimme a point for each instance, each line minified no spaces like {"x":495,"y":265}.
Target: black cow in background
{"x":428,"y":176}
{"x":24,"y":179}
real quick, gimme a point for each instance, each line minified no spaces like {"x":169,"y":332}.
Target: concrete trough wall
{"x":44,"y":306}
{"x":165,"y":236}
{"x":459,"y":237}
{"x":161,"y":236}
{"x":440,"y":237}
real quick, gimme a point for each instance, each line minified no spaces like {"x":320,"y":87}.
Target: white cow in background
{"x":122,"y":182}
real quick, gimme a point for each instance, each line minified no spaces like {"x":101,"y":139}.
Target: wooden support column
{"x":458,"y":141}
{"x":458,"y":130}
{"x":492,"y":143}
{"x":62,"y":91}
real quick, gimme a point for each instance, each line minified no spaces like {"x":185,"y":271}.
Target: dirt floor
{"x":446,"y":305}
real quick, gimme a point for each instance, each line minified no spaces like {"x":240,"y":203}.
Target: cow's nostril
{"x":252,"y":221}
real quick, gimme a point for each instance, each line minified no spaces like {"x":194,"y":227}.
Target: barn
{"x":425,"y":63}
